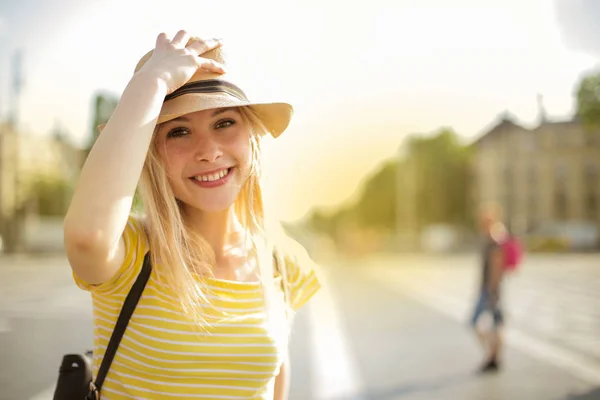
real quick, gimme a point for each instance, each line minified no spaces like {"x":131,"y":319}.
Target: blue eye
{"x":177,"y":132}
{"x":224,"y":123}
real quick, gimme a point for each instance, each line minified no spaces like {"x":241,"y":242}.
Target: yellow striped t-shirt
{"x":163,"y":354}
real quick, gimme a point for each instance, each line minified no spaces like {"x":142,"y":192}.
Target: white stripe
{"x":212,"y":289}
{"x":189,"y":370}
{"x":208,"y":307}
{"x":177,"y":395}
{"x":335,"y":370}
{"x":109,"y":390}
{"x":158,"y":350}
{"x":102,"y":350}
{"x":185,"y":318}
{"x":217,"y":289}
{"x":188,"y":385}
{"x":176,"y":304}
{"x":127,"y":277}
{"x":196,"y":343}
{"x":199,"y":332}
{"x":258,"y":298}
{"x":117,"y":310}
{"x":210,"y":325}
{"x":186,"y":370}
{"x":190,"y":322}
{"x":104,"y":303}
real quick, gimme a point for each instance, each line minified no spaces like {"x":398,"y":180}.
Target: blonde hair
{"x":178,"y":254}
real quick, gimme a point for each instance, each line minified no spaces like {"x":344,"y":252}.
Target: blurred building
{"x":25,"y":161}
{"x":546,"y":175}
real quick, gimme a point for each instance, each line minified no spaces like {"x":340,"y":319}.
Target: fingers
{"x":202,"y":46}
{"x":210,"y":65}
{"x":180,"y":39}
{"x":162,"y":40}
{"x":196,"y":48}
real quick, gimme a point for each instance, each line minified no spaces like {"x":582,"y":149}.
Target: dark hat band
{"x":208,"y":86}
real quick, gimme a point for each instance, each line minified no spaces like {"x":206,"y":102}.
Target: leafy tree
{"x":441,"y":164}
{"x":440,"y":168}
{"x":377,"y":205}
{"x":104,"y":105}
{"x":50,"y":193}
{"x":588,"y":99}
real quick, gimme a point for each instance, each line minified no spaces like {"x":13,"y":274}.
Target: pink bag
{"x":513,"y":253}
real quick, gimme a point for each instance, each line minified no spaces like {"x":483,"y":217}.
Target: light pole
{"x":15,"y":230}
{"x":399,"y":185}
{"x":406,"y":198}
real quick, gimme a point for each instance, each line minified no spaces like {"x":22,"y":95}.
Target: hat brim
{"x":275,"y":116}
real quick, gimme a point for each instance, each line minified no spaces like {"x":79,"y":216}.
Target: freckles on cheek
{"x":168,"y":151}
{"x":167,"y":158}
{"x":246,"y":158}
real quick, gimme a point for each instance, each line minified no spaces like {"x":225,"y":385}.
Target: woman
{"x":214,"y":318}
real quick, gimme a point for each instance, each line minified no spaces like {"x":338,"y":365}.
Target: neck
{"x":222,"y":230}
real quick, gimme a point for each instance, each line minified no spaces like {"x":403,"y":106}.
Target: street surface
{"x":385,"y":328}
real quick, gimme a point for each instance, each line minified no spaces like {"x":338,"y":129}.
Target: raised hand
{"x":174,"y":63}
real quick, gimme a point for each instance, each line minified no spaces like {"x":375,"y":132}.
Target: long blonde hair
{"x":178,"y":254}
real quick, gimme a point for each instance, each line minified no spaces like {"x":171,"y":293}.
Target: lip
{"x":213,"y":184}
{"x":210,"y":171}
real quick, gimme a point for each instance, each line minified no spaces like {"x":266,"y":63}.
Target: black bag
{"x":75,"y":381}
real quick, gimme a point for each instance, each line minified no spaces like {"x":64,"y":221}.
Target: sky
{"x":361,"y":77}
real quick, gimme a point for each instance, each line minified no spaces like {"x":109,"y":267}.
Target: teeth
{"x":211,"y":177}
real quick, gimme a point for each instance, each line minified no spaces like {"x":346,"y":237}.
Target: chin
{"x":213,"y":208}
{"x":214,"y":204}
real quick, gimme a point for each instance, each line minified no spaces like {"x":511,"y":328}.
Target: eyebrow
{"x":224,"y":110}
{"x":218,"y":111}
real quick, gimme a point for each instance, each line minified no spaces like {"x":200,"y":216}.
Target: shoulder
{"x":136,"y":245}
{"x":136,"y":232}
{"x":300,"y":273}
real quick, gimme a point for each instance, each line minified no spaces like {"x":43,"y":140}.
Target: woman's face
{"x":207,"y":156}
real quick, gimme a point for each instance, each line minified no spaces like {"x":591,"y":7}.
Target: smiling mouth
{"x":213,"y":177}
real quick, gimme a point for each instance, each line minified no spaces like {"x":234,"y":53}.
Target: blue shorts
{"x":483,"y":305}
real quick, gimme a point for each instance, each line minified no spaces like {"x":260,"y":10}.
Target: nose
{"x":207,"y":150}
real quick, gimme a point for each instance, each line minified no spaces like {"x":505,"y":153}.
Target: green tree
{"x":441,"y":168}
{"x":377,"y":204}
{"x":320,"y":222}
{"x":588,"y":99}
{"x":50,"y":193}
{"x":104,"y":105}
{"x":138,"y":204}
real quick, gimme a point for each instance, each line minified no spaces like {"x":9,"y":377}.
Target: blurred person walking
{"x":488,"y":306}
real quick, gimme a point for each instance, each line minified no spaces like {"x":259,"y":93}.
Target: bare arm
{"x":102,"y":201}
{"x":103,"y":197}
{"x":282,"y":381}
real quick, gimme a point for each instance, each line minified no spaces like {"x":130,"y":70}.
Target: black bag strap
{"x":126,"y":311}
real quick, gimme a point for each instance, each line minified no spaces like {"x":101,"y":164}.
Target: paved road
{"x":407,"y":318}
{"x":556,"y":298}
{"x":386,"y":328}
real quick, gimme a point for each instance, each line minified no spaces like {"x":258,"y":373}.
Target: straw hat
{"x":207,"y":90}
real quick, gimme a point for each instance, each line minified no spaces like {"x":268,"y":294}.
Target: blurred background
{"x":409,"y":115}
